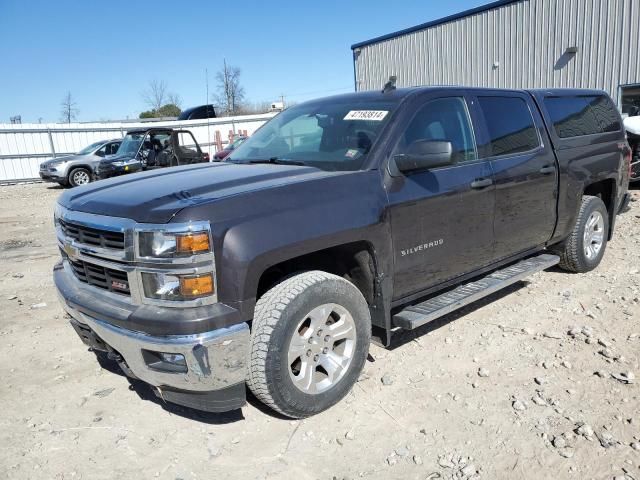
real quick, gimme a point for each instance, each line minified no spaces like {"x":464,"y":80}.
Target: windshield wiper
{"x":277,"y":161}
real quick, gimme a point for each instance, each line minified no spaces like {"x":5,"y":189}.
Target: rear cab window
{"x":576,"y":116}
{"x":510,"y":125}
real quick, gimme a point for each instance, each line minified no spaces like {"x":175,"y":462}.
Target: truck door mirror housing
{"x":422,"y":155}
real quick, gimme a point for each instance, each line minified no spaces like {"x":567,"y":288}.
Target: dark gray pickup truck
{"x":340,"y":222}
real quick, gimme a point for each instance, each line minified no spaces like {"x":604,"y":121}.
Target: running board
{"x":440,"y":305}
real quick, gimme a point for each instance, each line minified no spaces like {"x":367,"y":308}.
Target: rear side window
{"x":509,"y":124}
{"x":582,"y":115}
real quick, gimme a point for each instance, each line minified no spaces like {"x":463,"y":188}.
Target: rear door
{"x":442,"y":218}
{"x":512,"y":135}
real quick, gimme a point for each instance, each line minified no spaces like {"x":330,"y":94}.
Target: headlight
{"x":118,"y":164}
{"x":160,"y":244}
{"x":162,"y":286}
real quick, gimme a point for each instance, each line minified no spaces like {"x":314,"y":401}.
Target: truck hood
{"x":156,"y":196}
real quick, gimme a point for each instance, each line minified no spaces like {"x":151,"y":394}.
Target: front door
{"x":524,"y":168}
{"x":442,"y":218}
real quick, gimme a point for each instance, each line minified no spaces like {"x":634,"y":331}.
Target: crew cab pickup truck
{"x":341,"y":221}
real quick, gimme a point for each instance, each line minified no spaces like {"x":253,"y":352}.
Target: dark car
{"x":231,"y":146}
{"x":341,"y":221}
{"x":78,"y":169}
{"x":150,"y":148}
{"x":198,"y":113}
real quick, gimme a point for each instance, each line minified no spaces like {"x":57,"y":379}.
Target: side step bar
{"x":440,"y":305}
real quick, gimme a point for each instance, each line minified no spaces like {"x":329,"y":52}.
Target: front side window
{"x":509,"y":124}
{"x":444,"y":119}
{"x":112,"y":148}
{"x":332,"y":134}
{"x":101,"y":152}
{"x":89,"y":149}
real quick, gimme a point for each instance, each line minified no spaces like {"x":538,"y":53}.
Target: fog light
{"x":175,"y":358}
{"x":165,"y":362}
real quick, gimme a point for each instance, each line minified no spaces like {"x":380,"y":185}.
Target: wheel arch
{"x":606,"y":191}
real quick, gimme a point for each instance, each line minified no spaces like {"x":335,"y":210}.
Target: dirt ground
{"x":537,"y":382}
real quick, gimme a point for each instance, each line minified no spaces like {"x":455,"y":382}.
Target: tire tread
{"x":570,"y":252}
{"x":268,"y":312}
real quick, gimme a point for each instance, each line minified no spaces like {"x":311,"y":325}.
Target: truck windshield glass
{"x":90,"y":148}
{"x":131,"y":143}
{"x":334,"y":135}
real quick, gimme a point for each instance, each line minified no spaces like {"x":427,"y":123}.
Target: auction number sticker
{"x":371,"y":115}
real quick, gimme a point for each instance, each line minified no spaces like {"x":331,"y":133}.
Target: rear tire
{"x":584,"y":249}
{"x":79,"y":176}
{"x":309,"y":342}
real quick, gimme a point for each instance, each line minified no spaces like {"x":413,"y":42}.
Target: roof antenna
{"x":390,"y":85}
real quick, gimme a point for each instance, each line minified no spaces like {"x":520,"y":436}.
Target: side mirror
{"x":422,"y":155}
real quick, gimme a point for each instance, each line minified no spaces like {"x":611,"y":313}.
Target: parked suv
{"x":151,"y":148}
{"x":339,"y":222}
{"x":77,"y":169}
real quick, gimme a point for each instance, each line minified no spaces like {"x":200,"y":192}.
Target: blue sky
{"x":106,"y":52}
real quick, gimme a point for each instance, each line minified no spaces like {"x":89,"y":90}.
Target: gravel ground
{"x":536,"y":382}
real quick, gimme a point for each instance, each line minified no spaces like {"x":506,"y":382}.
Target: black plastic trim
{"x":232,"y":397}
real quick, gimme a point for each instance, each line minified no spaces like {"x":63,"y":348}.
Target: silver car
{"x":78,"y":169}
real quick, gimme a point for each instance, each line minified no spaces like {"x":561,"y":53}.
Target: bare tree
{"x":155,"y":96}
{"x":230,"y":93}
{"x":174,"y":99}
{"x":69,"y":110}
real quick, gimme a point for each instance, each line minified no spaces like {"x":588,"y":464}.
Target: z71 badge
{"x":422,"y":247}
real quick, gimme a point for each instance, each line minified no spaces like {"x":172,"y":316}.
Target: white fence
{"x":24,"y":146}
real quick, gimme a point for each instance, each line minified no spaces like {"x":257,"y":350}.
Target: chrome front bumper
{"x":215,"y":360}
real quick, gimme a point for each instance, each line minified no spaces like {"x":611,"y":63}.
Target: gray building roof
{"x":433,"y":23}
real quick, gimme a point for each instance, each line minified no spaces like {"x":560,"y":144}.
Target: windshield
{"x":333,"y":134}
{"x":236,"y":143}
{"x":90,"y":148}
{"x":131,"y":143}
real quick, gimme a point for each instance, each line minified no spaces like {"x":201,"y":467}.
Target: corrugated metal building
{"x":515,"y":44}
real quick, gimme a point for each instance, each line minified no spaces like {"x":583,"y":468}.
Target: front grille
{"x":102,"y":277}
{"x":92,"y":236}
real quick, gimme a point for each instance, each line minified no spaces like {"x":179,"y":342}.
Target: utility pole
{"x":282,"y":100}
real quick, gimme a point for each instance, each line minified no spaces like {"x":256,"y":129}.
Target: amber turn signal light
{"x":193,"y":243}
{"x":193,"y":287}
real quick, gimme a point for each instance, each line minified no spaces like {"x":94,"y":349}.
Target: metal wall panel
{"x":526,"y":39}
{"x":24,"y":146}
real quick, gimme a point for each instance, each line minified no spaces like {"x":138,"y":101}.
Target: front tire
{"x":79,"y":176}
{"x":584,"y":249}
{"x":309,"y":342}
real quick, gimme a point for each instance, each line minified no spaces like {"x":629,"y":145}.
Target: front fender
{"x":305,"y":219}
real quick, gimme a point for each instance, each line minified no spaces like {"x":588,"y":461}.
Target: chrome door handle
{"x":481,"y":183}
{"x":548,"y":169}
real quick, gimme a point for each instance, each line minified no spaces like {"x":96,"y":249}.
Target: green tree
{"x":168,"y":110}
